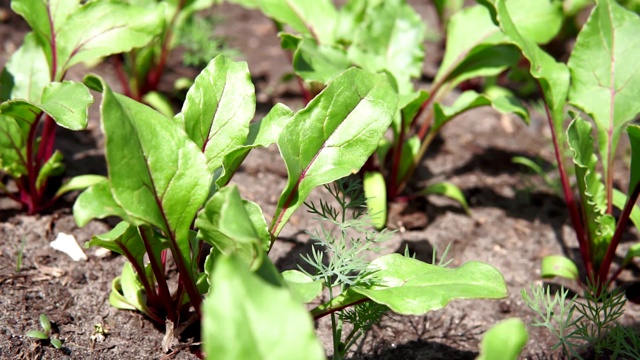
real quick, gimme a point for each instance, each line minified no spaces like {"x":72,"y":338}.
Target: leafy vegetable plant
{"x":45,"y":334}
{"x":388,"y":36}
{"x":600,"y":81}
{"x":35,"y":98}
{"x":168,"y":182}
{"x":140,"y":70}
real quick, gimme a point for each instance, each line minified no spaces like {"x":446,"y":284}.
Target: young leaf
{"x":28,"y":71}
{"x":79,"y":183}
{"x":449,"y":190}
{"x":556,"y":265}
{"x":218,"y":108}
{"x":13,"y":144}
{"x":315,"y":62}
{"x":261,"y":134}
{"x":53,"y":167}
{"x":395,"y":278}
{"x":591,"y":188}
{"x":249,"y":317}
{"x":390,"y":38}
{"x":45,"y":323}
{"x":97,"y":202}
{"x":227,"y":225}
{"x":333,"y":136}
{"x":504,"y":341}
{"x":605,"y":79}
{"x":36,"y":334}
{"x":302,"y":285}
{"x":375,"y":190}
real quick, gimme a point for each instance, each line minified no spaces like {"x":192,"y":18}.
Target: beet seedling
{"x":35,"y":99}
{"x":600,"y":80}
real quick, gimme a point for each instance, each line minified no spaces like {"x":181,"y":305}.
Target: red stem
{"x":163,"y":288}
{"x":395,"y":164}
{"x":574,"y":214}
{"x":617,"y":236}
{"x":122,"y":76}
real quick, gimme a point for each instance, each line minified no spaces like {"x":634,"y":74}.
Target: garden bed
{"x":515,"y":221}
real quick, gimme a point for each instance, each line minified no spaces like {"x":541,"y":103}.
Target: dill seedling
{"x":339,"y":257}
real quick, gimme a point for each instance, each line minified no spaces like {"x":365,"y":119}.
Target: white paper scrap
{"x":69,"y":245}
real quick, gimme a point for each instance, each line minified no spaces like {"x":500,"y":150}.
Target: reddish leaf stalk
{"x":395,"y":164}
{"x":574,"y":214}
{"x":151,"y":292}
{"x":617,"y":236}
{"x":158,"y":271}
{"x":332,"y":310}
{"x":122,"y":76}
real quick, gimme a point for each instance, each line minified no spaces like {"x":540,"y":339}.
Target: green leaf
{"x":471,"y":34}
{"x":53,"y":167}
{"x":634,"y":139}
{"x":13,"y":146}
{"x":124,"y":239}
{"x":131,"y":290}
{"x":619,"y":200}
{"x":556,"y":265}
{"x":315,"y":62}
{"x":552,"y":76}
{"x":79,"y":183}
{"x":159,"y":102}
{"x":66,"y":102}
{"x":375,"y":190}
{"x":395,"y":279}
{"x":312,"y":18}
{"x":449,"y":190}
{"x":96,"y":202}
{"x":634,"y":251}
{"x":45,"y":323}
{"x":501,"y":100}
{"x":156,"y":173}
{"x":116,"y":299}
{"x":218,"y":108}
{"x":56,"y":343}
{"x":37,"y":335}
{"x":591,"y":188}
{"x":261,"y":134}
{"x":28,"y":70}
{"x":604,"y":76}
{"x":333,"y":136}
{"x":504,"y":341}
{"x":227,"y":225}
{"x":248,"y":317}
{"x":539,"y":20}
{"x":303,"y":286}
{"x":390,"y":38}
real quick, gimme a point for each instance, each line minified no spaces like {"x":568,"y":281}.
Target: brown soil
{"x":514,"y":222}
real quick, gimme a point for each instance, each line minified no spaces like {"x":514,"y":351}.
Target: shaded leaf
{"x":29,"y":71}
{"x":318,"y":63}
{"x":52,"y":167}
{"x":449,"y":190}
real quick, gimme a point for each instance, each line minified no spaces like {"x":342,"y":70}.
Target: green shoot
{"x":45,"y":334}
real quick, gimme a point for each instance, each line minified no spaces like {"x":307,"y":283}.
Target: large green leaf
{"x":156,"y":173}
{"x":390,"y":38}
{"x":553,"y":76}
{"x":251,"y":318}
{"x":410,"y":287}
{"x":123,"y":239}
{"x":591,"y":188}
{"x":218,"y":109}
{"x":604,"y":73}
{"x":333,"y":136}
{"x":226,"y":224}
{"x":96,"y":202}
